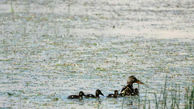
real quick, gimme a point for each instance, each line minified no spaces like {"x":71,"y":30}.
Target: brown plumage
{"x":128,"y":90}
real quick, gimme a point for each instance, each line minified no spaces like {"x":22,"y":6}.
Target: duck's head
{"x":98,"y":92}
{"x":133,"y":79}
{"x":116,"y":92}
{"x":81,"y":93}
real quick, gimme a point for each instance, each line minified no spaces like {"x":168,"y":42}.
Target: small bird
{"x":135,"y":93}
{"x":80,"y":96}
{"x":128,"y":89}
{"x":98,"y":92}
{"x":115,"y":95}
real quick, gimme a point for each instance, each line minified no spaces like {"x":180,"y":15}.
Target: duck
{"x":98,"y":93}
{"x":80,"y":96}
{"x":136,"y":92}
{"x":115,"y":95}
{"x":128,"y":90}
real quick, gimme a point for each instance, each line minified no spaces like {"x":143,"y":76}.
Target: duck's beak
{"x":139,"y":82}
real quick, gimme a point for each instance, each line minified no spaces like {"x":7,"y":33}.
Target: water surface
{"x":49,"y":50}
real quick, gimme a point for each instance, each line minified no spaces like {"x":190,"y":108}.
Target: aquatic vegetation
{"x":171,"y":98}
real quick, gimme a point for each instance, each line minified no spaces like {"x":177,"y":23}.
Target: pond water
{"x":49,"y":50}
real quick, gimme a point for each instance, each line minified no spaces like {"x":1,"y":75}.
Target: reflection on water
{"x":49,"y":50}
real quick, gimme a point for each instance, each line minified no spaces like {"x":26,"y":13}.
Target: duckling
{"x":135,"y":93}
{"x":98,"y":92}
{"x":115,"y":95}
{"x":80,"y":96}
{"x":128,"y":89}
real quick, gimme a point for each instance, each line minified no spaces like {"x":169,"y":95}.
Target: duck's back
{"x":128,"y":87}
{"x":73,"y":97}
{"x":111,"y":96}
{"x":90,"y":96}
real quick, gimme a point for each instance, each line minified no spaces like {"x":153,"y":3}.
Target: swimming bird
{"x":80,"y":96}
{"x":135,"y":93}
{"x":128,"y":89}
{"x":115,"y":95}
{"x":98,"y":93}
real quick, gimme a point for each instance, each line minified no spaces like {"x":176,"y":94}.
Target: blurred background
{"x":51,"y":49}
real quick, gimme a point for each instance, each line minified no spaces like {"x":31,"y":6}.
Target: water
{"x":50,"y":50}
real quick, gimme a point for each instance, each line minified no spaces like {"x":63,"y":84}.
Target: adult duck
{"x":128,"y":89}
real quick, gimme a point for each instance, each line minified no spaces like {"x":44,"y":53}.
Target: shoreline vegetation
{"x":171,"y":99}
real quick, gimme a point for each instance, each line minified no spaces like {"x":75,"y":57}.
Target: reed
{"x":145,"y":101}
{"x":189,"y":98}
{"x":170,"y":99}
{"x":156,"y":101}
{"x":165,"y":94}
{"x":12,"y":10}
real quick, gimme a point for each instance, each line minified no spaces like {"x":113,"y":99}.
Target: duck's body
{"x":128,"y":90}
{"x":74,"y":97}
{"x":90,"y":96}
{"x":98,"y":93}
{"x":80,"y":96}
{"x":115,"y":95}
